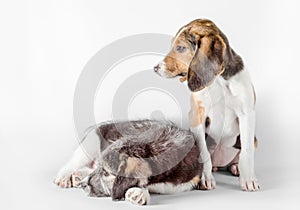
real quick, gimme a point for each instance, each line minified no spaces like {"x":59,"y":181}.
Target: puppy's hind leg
{"x":83,"y":156}
{"x":233,"y":166}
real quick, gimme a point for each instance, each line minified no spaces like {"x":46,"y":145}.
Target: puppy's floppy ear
{"x":122,"y":181}
{"x":121,"y":185}
{"x":207,"y":63}
{"x":192,"y":41}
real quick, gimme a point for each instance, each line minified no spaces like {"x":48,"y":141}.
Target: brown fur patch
{"x":137,"y":168}
{"x":182,"y":79}
{"x":255,"y":143}
{"x":176,"y":62}
{"x":207,"y":122}
{"x":197,"y":112}
{"x":175,"y":66}
{"x":195,"y":181}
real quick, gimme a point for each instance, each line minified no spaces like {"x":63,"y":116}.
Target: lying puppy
{"x":140,"y":157}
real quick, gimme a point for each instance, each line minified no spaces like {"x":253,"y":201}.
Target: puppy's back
{"x":165,"y":152}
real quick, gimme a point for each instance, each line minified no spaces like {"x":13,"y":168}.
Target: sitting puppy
{"x":141,"y":157}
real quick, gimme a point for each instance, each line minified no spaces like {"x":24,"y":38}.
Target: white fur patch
{"x":169,"y":188}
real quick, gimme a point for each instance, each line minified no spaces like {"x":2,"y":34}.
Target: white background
{"x":44,"y":46}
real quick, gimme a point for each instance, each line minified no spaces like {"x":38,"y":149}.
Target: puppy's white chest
{"x":219,"y":103}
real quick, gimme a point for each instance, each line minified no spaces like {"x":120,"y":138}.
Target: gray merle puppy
{"x":135,"y":158}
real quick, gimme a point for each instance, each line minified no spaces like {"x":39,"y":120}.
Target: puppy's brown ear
{"x":207,"y":63}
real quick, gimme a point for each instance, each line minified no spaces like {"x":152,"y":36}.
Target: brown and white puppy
{"x":222,"y":103}
{"x":140,"y":157}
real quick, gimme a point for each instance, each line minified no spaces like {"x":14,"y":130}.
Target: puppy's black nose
{"x":157,"y":67}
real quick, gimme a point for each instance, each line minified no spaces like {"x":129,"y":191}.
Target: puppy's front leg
{"x":83,"y":156}
{"x":197,"y":127}
{"x":137,"y":195}
{"x":248,"y":179}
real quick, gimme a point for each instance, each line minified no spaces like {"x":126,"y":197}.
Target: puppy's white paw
{"x":67,"y":179}
{"x":63,"y":179}
{"x":136,"y":195}
{"x":79,"y":175}
{"x":207,"y":180}
{"x":248,"y":180}
{"x":249,"y":184}
{"x":76,"y":178}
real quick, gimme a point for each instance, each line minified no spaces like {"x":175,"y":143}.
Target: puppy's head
{"x":199,"y":53}
{"x":99,"y":183}
{"x":116,"y":175}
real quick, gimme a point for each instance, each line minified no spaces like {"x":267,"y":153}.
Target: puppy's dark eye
{"x":182,"y":74}
{"x":180,"y":48}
